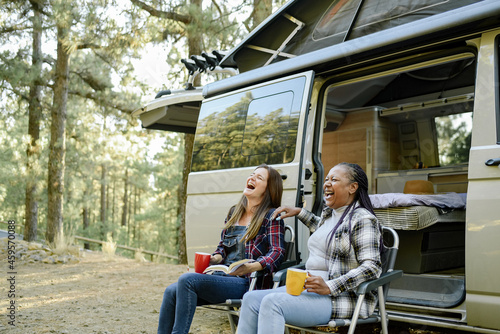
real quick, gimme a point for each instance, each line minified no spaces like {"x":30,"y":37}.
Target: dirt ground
{"x":89,"y":292}
{"x":93,"y":294}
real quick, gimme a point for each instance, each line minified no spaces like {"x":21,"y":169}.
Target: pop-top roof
{"x":302,"y":26}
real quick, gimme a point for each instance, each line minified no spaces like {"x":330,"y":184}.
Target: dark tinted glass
{"x":254,"y":126}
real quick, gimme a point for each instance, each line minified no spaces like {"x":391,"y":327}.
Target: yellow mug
{"x":295,"y":280}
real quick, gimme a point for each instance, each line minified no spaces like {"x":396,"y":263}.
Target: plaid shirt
{"x":354,"y":258}
{"x":267,"y":248}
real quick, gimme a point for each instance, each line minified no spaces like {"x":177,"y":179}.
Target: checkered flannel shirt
{"x":354,"y":258}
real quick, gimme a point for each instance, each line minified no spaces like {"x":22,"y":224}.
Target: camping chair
{"x":232,"y":306}
{"x":390,"y":237}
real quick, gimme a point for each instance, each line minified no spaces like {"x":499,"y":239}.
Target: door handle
{"x":492,"y":162}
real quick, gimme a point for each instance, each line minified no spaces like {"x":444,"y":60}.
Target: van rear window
{"x":454,"y":134}
{"x":250,"y":127}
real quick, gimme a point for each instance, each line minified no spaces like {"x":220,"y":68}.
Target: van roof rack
{"x":205,"y":63}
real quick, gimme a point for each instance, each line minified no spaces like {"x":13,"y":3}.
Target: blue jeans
{"x":181,"y":298}
{"x":266,"y":311}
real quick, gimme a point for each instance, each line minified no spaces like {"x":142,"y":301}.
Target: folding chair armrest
{"x":280,"y":276}
{"x":255,"y":274}
{"x":287,"y":264}
{"x":233,"y":302}
{"x":382,"y":280}
{"x":253,"y":278}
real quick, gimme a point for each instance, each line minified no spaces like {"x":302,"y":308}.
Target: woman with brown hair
{"x":249,"y":233}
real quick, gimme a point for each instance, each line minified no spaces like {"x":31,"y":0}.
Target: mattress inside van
{"x":415,"y":218}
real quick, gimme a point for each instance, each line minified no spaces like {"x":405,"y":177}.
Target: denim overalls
{"x":234,"y":249}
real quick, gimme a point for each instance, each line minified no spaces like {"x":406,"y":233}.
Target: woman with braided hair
{"x":344,"y":251}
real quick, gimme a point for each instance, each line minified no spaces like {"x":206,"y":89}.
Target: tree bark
{"x":103,"y":202}
{"x":194,"y":45}
{"x":57,"y":146}
{"x":107,"y":199}
{"x":85,"y":214}
{"x":182,"y":196}
{"x":113,"y":202}
{"x":135,"y":222}
{"x":35,"y":112}
{"x":125,"y":200}
{"x":130,"y":197}
{"x":261,"y":10}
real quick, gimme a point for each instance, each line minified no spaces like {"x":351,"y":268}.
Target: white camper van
{"x":407,"y":89}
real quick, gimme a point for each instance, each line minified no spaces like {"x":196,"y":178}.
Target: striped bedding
{"x":416,"y":217}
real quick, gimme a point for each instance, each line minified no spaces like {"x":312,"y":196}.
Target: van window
{"x":454,"y":134}
{"x":254,"y":126}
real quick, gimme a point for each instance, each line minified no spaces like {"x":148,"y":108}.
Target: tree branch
{"x":88,"y":46}
{"x":94,"y":83}
{"x":6,"y":30}
{"x":217,"y":7}
{"x":17,"y":92}
{"x":162,"y":14}
{"x":102,"y":102}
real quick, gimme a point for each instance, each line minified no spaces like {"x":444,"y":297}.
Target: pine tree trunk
{"x":138,"y":200}
{"x":130,"y":211}
{"x":113,"y":203}
{"x":57,"y":146}
{"x":85,"y":215}
{"x":125,"y":200}
{"x":194,"y":45}
{"x":182,"y":196}
{"x":35,"y":112}
{"x":135,"y":212}
{"x":107,"y":201}
{"x":261,"y":10}
{"x":103,"y":202}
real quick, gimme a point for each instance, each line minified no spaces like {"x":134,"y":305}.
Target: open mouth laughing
{"x":328,"y":194}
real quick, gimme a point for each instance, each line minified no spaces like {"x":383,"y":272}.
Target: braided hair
{"x":361,"y":199}
{"x":357,"y":174}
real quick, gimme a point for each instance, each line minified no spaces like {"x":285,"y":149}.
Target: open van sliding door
{"x":236,"y":132}
{"x":483,"y":196}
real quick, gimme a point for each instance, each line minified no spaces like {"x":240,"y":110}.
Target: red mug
{"x":201,"y":261}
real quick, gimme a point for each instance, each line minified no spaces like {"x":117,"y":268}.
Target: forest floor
{"x":90,"y":292}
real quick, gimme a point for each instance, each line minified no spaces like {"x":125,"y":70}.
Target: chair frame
{"x":380,"y":284}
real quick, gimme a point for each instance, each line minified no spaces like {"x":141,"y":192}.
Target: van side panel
{"x":210,"y":196}
{"x":483,"y":198}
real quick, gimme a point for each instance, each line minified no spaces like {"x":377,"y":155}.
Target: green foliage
{"x":12,"y":164}
{"x":114,"y":168}
{"x":454,"y":138}
{"x":100,"y":133}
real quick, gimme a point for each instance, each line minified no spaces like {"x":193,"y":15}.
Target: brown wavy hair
{"x":271,"y":200}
